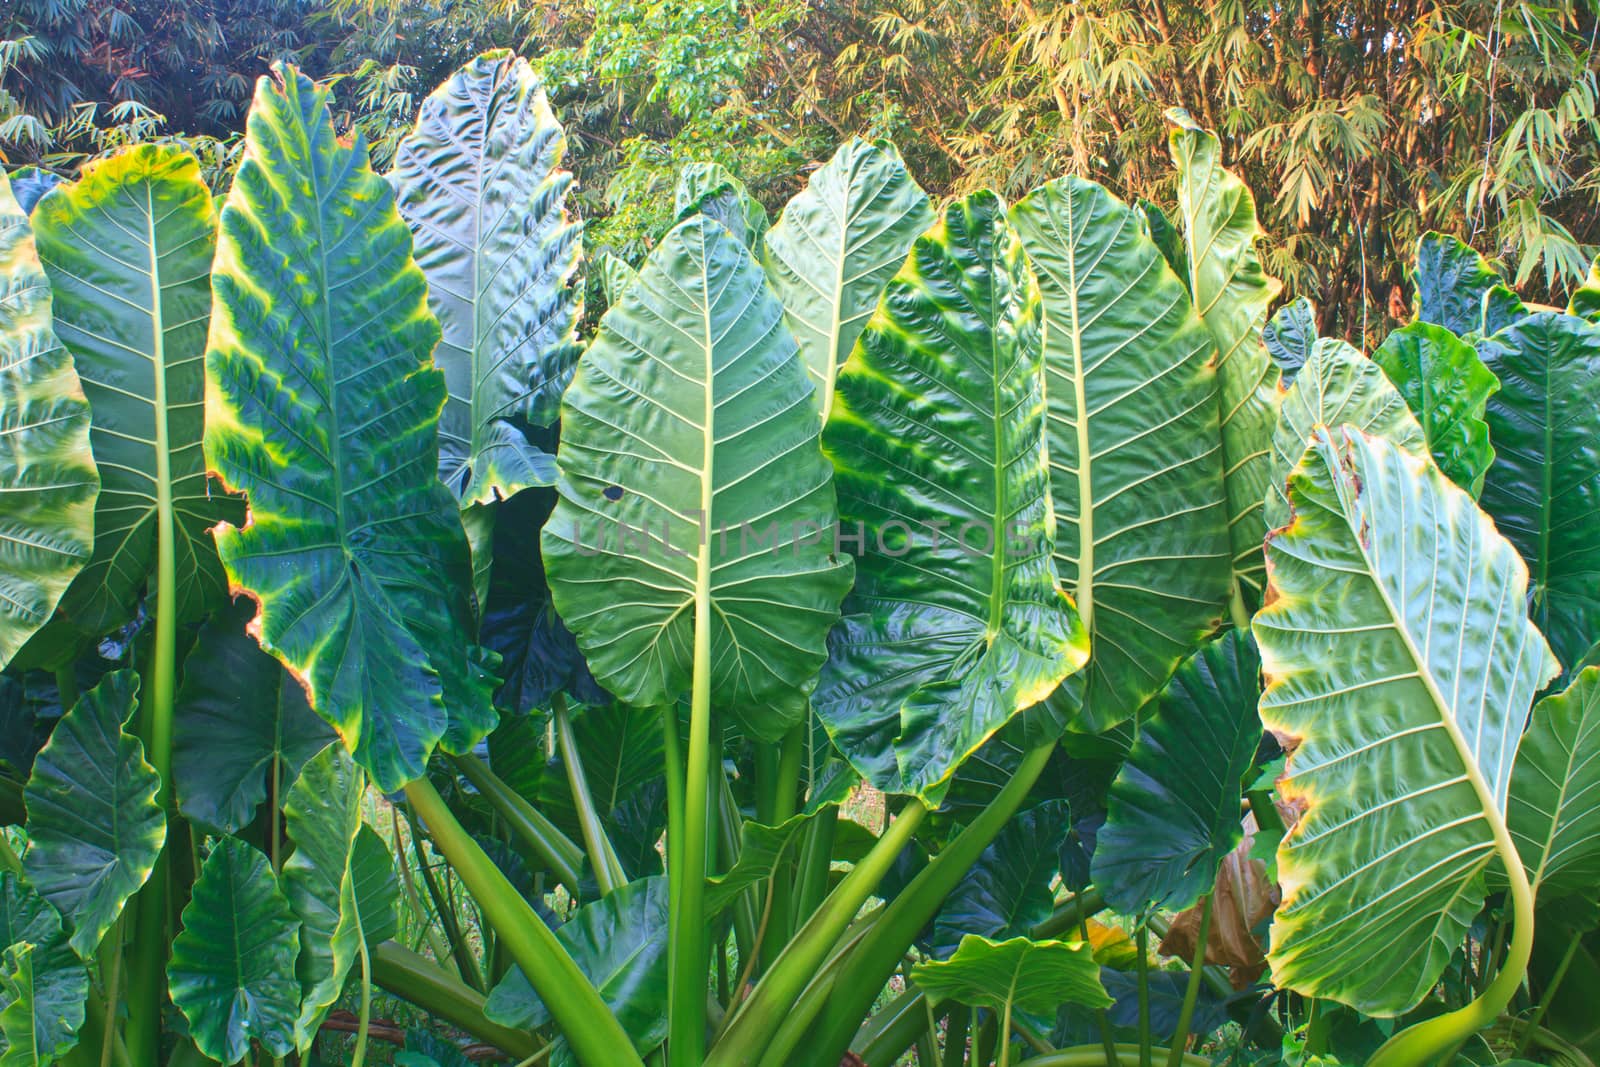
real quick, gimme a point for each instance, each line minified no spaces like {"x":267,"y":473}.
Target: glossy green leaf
{"x":1231,"y":292}
{"x":1400,"y":668}
{"x":47,"y":474}
{"x":1544,"y":487}
{"x":710,"y":189}
{"x":1452,"y":281}
{"x":232,"y":967}
{"x":1031,"y":976}
{"x":1167,"y":238}
{"x":1554,"y":813}
{"x":690,"y":420}
{"x":835,"y":247}
{"x":94,"y":827}
{"x":480,"y":183}
{"x":1447,"y":388}
{"x":322,"y":815}
{"x":58,"y":985}
{"x":620,"y":748}
{"x":1338,"y":386}
{"x":1290,"y":335}
{"x":1173,"y":812}
{"x":1502,"y":307}
{"x":1135,"y":458}
{"x":377,"y":887}
{"x":240,"y":719}
{"x":128,"y":251}
{"x":620,"y":944}
{"x":1008,"y":891}
{"x":761,"y":848}
{"x":323,"y":407}
{"x":937,"y":432}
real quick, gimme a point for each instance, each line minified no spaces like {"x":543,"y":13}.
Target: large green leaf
{"x":1135,"y":463}
{"x":241,"y":719}
{"x":690,"y":418}
{"x":1338,"y":386}
{"x":1031,"y":976}
{"x":47,"y":474}
{"x":620,"y":944}
{"x":322,"y":815}
{"x":1400,"y":668}
{"x":481,"y":185}
{"x":1554,"y":813}
{"x":128,"y":251}
{"x":937,"y":432}
{"x":323,"y":407}
{"x":1008,"y":891}
{"x":58,"y":983}
{"x":1290,"y":335}
{"x":1447,"y":387}
{"x":94,"y":827}
{"x":1231,"y":292}
{"x":835,"y":247}
{"x":1452,"y":281}
{"x":1174,"y":806}
{"x":1544,"y":487}
{"x":232,"y":967}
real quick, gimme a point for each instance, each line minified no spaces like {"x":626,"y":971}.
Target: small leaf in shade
{"x":93,"y":821}
{"x":1007,"y":892}
{"x":1451,"y":282}
{"x":620,"y":944}
{"x":1033,"y":976}
{"x":1174,"y":808}
{"x":57,"y":984}
{"x":615,"y":276}
{"x":1447,"y":387}
{"x":322,"y":814}
{"x":760,"y":849}
{"x":240,"y":718}
{"x":1167,"y":990}
{"x":1585,"y":302}
{"x":47,"y":472}
{"x":232,"y":967}
{"x":1554,"y":810}
{"x":30,"y":184}
{"x":377,"y":887}
{"x":1289,"y":336}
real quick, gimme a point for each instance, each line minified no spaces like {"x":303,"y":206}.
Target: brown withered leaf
{"x":1241,"y":900}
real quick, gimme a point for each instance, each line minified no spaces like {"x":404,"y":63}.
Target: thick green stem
{"x":1005,"y":1037}
{"x":688,"y":960}
{"x":1421,"y":1045}
{"x":955,"y":1035}
{"x":816,"y":855}
{"x":542,"y":837}
{"x":580,"y":1014}
{"x":1546,"y":997}
{"x":785,"y":798}
{"x":1191,"y":992}
{"x":1146,"y":1054}
{"x":747,"y":907}
{"x":460,"y":950}
{"x":430,"y":987}
{"x":608,"y":873}
{"x":747,"y":1036}
{"x":875,"y":958}
{"x":147,"y":978}
{"x":1236,"y":609}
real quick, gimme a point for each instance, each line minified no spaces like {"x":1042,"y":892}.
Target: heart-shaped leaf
{"x":1400,"y":668}
{"x":480,"y":183}
{"x":937,"y":432}
{"x":232,"y":967}
{"x":1447,"y":387}
{"x":1135,"y":459}
{"x":94,"y":827}
{"x":691,"y":479}
{"x":1031,"y":976}
{"x":1452,"y":281}
{"x":323,"y":407}
{"x":43,"y":1020}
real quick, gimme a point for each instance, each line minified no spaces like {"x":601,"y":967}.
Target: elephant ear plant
{"x":890,"y":617}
